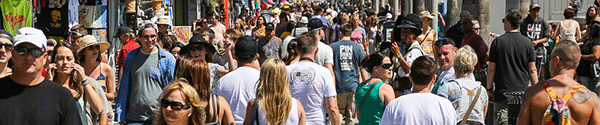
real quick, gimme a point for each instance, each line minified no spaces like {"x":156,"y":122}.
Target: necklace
{"x":566,"y":75}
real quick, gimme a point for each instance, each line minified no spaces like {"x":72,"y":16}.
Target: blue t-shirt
{"x":347,"y":55}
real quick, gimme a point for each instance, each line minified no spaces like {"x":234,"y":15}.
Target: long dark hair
{"x":76,"y":86}
{"x":588,"y":18}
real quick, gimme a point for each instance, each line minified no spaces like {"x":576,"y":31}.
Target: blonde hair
{"x":274,"y":92}
{"x":474,"y":21}
{"x":465,"y":61}
{"x":190,"y":94}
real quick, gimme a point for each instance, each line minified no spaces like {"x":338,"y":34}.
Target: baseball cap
{"x":31,"y":35}
{"x":388,"y":16}
{"x":315,"y":23}
{"x":122,"y":30}
{"x":269,"y":26}
{"x":534,"y":6}
{"x":304,"y":20}
{"x":246,"y":47}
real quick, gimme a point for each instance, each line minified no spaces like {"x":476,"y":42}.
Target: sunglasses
{"x":442,"y":42}
{"x":197,"y":48}
{"x":7,"y":46}
{"x":32,"y":51}
{"x":174,"y":105}
{"x":149,"y":36}
{"x":95,"y":47}
{"x":385,"y":66}
{"x":477,"y":28}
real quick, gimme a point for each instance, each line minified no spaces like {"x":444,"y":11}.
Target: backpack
{"x":558,"y":112}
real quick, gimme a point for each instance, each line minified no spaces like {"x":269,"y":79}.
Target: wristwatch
{"x":85,"y":82}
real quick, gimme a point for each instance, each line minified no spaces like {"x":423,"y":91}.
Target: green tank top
{"x":373,"y":107}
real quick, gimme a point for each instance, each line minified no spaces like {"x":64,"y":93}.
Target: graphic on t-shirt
{"x":356,"y":37}
{"x":56,"y":3}
{"x":55,"y":19}
{"x":14,"y":20}
{"x":534,"y":31}
{"x":302,"y":74}
{"x":346,"y":57}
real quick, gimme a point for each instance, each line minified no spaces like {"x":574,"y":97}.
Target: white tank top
{"x":567,"y":33}
{"x":292,"y":119}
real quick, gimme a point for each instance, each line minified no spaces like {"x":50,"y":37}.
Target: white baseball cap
{"x":388,"y":16}
{"x":31,"y":35}
{"x":304,"y":20}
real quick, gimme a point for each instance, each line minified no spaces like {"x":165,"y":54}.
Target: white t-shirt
{"x":324,"y":54}
{"x":284,"y":46}
{"x":238,"y":87}
{"x":411,"y":56}
{"x":311,"y":83}
{"x":419,"y":109}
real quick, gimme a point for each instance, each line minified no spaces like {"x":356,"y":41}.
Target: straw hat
{"x":427,"y":14}
{"x":163,"y":20}
{"x":89,"y":40}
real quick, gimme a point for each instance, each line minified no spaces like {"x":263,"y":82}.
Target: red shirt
{"x":476,"y":42}
{"x":130,"y":45}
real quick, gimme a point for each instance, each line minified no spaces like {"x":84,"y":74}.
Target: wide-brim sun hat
{"x":412,"y":22}
{"x":89,"y":40}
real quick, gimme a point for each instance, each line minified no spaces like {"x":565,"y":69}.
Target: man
{"x":302,"y":28}
{"x":348,"y":55}
{"x":25,"y":96}
{"x":239,"y":85}
{"x":420,"y":107}
{"x":410,"y":27}
{"x":359,"y":34}
{"x":146,"y":71}
{"x":127,"y":39}
{"x":455,"y":32}
{"x":325,"y":54}
{"x":217,"y":27}
{"x":270,"y":45}
{"x":312,"y":84}
{"x":537,"y":30}
{"x":163,"y":26}
{"x":584,"y":104}
{"x":511,"y":68}
{"x":444,"y":52}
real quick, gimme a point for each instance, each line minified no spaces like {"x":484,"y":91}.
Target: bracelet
{"x":85,"y":82}
{"x":490,"y":89}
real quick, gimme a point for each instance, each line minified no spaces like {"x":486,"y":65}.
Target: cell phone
{"x":385,"y":45}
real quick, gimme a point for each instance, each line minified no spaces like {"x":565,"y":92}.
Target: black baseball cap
{"x":122,"y":30}
{"x":246,"y":47}
{"x":315,"y":23}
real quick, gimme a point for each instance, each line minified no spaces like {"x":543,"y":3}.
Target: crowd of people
{"x":310,"y":64}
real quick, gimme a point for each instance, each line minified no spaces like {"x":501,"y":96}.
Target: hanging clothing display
{"x":53,"y":18}
{"x":16,"y":14}
{"x":73,"y":12}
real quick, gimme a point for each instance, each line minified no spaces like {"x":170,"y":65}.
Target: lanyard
{"x":306,"y":58}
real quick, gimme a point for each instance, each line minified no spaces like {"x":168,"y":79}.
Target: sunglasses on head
{"x":385,"y":66}
{"x":192,"y":48}
{"x":149,"y":36}
{"x":442,"y":42}
{"x":174,"y":105}
{"x":7,"y":46}
{"x":32,"y":51}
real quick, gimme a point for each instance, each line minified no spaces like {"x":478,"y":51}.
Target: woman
{"x":476,"y":27}
{"x":196,"y":71}
{"x":6,"y":42}
{"x":168,"y":41}
{"x":370,"y":107}
{"x":89,"y":54}
{"x":428,"y":36}
{"x":466,"y":88}
{"x":293,"y":56}
{"x":274,"y":102}
{"x":180,"y":105}
{"x":199,"y":48}
{"x":259,"y":29}
{"x":85,"y":90}
{"x":569,"y":28}
{"x":372,"y":31}
{"x":175,"y":49}
{"x":590,"y":17}
{"x":590,"y":53}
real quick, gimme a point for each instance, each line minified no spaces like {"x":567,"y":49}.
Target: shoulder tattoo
{"x":581,"y":96}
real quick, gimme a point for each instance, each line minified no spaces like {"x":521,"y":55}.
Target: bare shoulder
{"x":584,"y":95}
{"x":105,"y":66}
